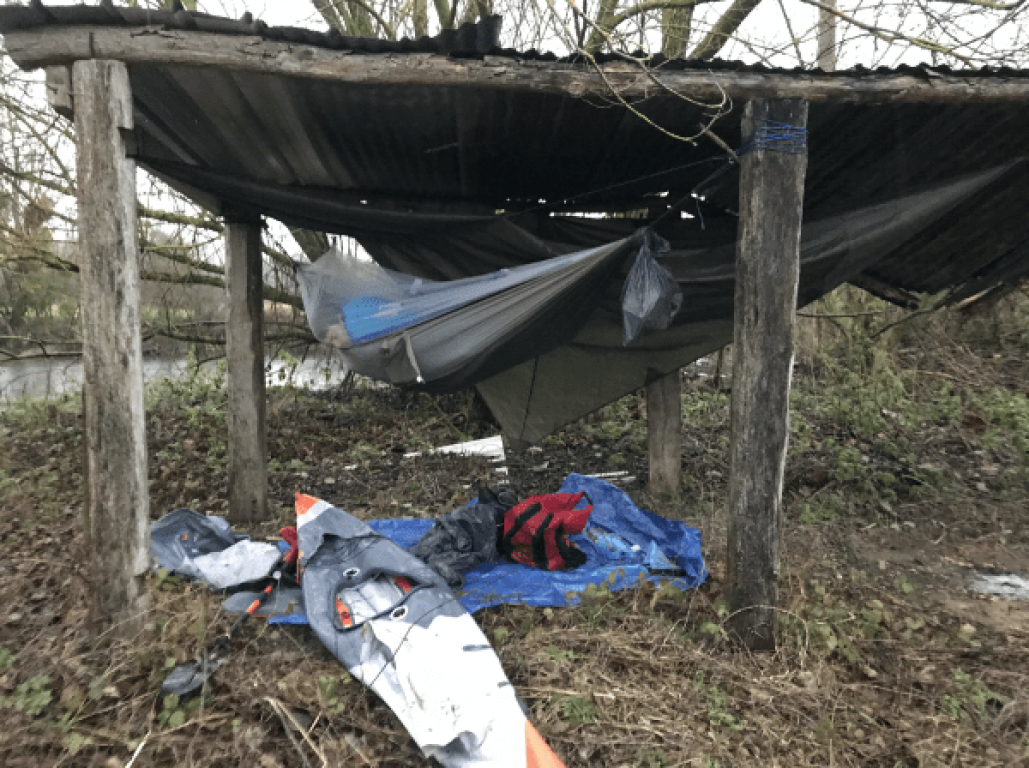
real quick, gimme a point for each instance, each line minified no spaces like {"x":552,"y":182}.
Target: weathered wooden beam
{"x":767,"y":273}
{"x":52,"y":45}
{"x":664,"y":433}
{"x":244,"y":350}
{"x":118,"y":501}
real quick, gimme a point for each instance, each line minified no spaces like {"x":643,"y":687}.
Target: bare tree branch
{"x":891,"y":36}
{"x":724,"y":29}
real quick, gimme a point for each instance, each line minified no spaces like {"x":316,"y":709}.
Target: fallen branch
{"x":843,"y":314}
{"x":289,"y":731}
{"x":280,"y":707}
{"x":902,"y":320}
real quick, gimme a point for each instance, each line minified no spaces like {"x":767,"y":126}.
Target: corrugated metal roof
{"x":308,"y":151}
{"x":470,"y":39}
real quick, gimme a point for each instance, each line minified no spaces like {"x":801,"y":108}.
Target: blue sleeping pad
{"x":368,"y":318}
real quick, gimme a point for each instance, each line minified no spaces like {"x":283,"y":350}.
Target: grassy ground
{"x":908,"y":468}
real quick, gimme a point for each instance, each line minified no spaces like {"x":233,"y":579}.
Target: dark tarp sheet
{"x":541,"y":395}
{"x":565,"y":383}
{"x":622,"y":543}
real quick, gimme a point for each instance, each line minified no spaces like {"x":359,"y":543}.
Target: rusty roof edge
{"x":62,"y":45}
{"x":470,"y":40}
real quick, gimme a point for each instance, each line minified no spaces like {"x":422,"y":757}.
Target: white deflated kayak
{"x":400,"y":630}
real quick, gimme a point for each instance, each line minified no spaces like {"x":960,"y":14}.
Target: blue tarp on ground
{"x":620,"y":540}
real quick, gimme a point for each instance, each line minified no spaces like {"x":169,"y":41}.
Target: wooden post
{"x":117,"y":499}
{"x":664,"y":433}
{"x":244,"y":340}
{"x":719,"y":369}
{"x":767,"y":271}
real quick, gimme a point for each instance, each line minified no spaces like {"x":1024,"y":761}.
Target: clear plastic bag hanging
{"x":651,"y":297}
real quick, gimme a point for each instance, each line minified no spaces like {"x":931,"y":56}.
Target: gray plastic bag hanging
{"x":650,"y":296}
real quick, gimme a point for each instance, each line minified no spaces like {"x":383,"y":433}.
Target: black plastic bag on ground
{"x":465,"y":538}
{"x":651,"y":297}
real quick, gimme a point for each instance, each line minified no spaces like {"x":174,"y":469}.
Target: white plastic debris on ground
{"x":491,"y":448}
{"x":239,"y":564}
{"x":615,"y":478}
{"x":1007,"y":585}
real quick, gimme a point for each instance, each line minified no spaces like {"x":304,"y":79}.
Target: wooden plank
{"x":244,"y":347}
{"x":664,"y":433}
{"x":52,"y":45}
{"x":118,"y":503}
{"x":767,"y":273}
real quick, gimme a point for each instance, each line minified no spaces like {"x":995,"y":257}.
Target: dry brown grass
{"x":886,"y":659}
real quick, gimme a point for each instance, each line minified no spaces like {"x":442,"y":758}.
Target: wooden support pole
{"x":244,"y":348}
{"x":664,"y":433}
{"x":117,"y":497}
{"x":767,"y":272}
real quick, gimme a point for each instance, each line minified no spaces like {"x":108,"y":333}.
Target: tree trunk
{"x":602,"y":25}
{"x":117,"y":496}
{"x":244,"y":350}
{"x":826,"y":38}
{"x":445,"y":13}
{"x":420,"y":18}
{"x":664,"y":433}
{"x":723,"y":29}
{"x":675,"y":30}
{"x":767,"y":271}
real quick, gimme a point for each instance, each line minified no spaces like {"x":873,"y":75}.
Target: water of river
{"x":48,"y":377}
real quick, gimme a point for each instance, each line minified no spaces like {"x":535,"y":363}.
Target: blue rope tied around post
{"x":776,"y":137}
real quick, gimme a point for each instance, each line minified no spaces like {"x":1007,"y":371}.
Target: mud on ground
{"x":886,"y":659}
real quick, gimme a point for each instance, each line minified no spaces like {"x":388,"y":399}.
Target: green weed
{"x":652,"y":758}
{"x":31,"y":697}
{"x":577,"y":710}
{"x":717,"y":702}
{"x":75,"y":742}
{"x":823,"y":508}
{"x":1007,"y":413}
{"x":327,"y":686}
{"x":969,"y":698}
{"x":175,"y":712}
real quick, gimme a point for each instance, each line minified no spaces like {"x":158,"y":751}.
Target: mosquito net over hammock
{"x":405,"y":330}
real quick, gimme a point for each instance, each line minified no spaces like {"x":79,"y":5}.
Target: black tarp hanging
{"x":548,"y":378}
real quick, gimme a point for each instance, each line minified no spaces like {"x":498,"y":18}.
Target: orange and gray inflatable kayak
{"x":400,"y":630}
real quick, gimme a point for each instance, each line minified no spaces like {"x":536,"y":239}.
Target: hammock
{"x":405,"y":330}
